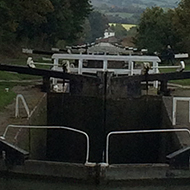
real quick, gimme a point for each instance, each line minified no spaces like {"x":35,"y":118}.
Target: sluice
{"x":102,"y":125}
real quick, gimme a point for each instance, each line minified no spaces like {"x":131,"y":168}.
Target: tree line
{"x":159,"y":28}
{"x":47,"y":23}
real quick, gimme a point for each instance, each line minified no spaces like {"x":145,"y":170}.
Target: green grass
{"x":6,"y":97}
{"x":184,"y":82}
{"x":4,"y":75}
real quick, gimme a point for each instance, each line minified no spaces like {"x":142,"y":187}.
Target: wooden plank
{"x":46,"y":73}
{"x":154,"y":77}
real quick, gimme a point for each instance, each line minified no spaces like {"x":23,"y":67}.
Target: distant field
{"x":120,"y":14}
{"x":126,"y":26}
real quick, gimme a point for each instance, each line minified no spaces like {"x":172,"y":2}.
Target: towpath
{"x":32,"y":94}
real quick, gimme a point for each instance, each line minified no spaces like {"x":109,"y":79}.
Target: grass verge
{"x":184,"y":82}
{"x":6,"y":95}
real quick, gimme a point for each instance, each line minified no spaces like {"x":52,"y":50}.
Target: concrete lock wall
{"x":83,"y":113}
{"x":38,"y":137}
{"x":97,"y":119}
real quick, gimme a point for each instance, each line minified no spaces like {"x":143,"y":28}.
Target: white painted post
{"x":55,"y":66}
{"x":20,"y":96}
{"x":105,"y":65}
{"x":80,"y":66}
{"x":174,"y":112}
{"x":155,"y":70}
{"x":131,"y":63}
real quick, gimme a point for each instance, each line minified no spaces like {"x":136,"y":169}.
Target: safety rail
{"x":175,"y":99}
{"x":130,"y":70}
{"x":138,"y":132}
{"x":20,"y":96}
{"x":52,"y":127}
{"x":105,"y":59}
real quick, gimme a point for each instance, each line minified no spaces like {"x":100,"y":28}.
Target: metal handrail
{"x":52,"y":127}
{"x":138,"y":132}
{"x":106,"y":58}
{"x":20,"y":96}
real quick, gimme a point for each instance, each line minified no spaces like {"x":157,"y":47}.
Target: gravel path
{"x":32,"y":95}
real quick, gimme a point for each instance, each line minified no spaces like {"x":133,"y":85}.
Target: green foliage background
{"x":159,"y":28}
{"x":41,"y":23}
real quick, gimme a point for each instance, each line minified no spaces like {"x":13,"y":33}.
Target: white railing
{"x":80,"y":69}
{"x":131,"y":70}
{"x":179,"y":67}
{"x":20,"y":96}
{"x":105,"y":59}
{"x":175,"y":99}
{"x":53,"y":127}
{"x":138,"y":132}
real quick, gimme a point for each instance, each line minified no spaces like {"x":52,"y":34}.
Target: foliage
{"x":6,"y":96}
{"x":41,"y":23}
{"x":132,"y":31}
{"x":137,"y":3}
{"x":98,"y":23}
{"x":120,"y":31}
{"x":159,"y":28}
{"x":65,"y":23}
{"x":128,"y":11}
{"x":154,"y":31}
{"x":93,"y":28}
{"x":181,"y":24}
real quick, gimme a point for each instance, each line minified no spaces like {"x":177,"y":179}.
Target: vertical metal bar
{"x":80,"y":66}
{"x":105,"y":65}
{"x":155,"y":70}
{"x":20,"y":96}
{"x":189,"y":111}
{"x":174,"y":111}
{"x":131,"y":63}
{"x":55,"y":65}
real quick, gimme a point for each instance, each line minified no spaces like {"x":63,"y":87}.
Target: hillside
{"x":129,"y":11}
{"x":139,"y":3}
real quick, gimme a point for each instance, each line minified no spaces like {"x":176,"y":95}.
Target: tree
{"x":66,"y":21}
{"x":42,"y":23}
{"x":30,"y":16}
{"x":181,"y":24}
{"x":158,"y":28}
{"x":8,"y":24}
{"x":152,"y":30}
{"x":120,"y":31}
{"x":98,"y":23}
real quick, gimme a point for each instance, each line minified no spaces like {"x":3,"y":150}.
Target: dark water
{"x":7,"y":183}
